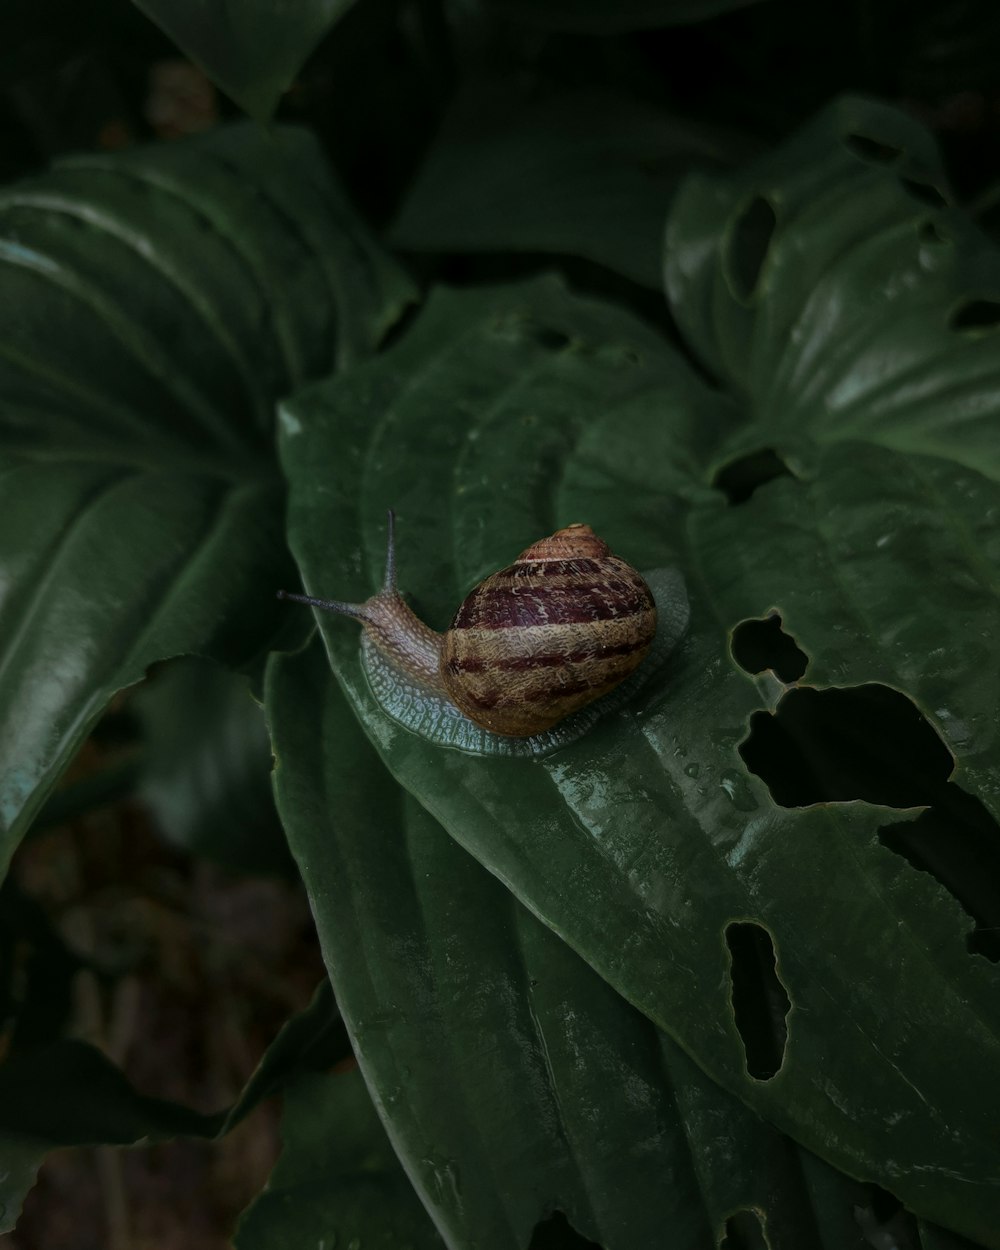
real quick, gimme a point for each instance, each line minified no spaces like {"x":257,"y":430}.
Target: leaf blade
{"x":653,"y":821}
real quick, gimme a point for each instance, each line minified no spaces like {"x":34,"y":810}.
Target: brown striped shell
{"x":566,"y":623}
{"x":560,"y":627}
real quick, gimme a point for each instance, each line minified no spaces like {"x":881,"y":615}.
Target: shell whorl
{"x":558,"y":628}
{"x":574,"y":542}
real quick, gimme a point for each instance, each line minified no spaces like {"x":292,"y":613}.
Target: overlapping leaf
{"x":505,"y":413}
{"x":155,"y":304}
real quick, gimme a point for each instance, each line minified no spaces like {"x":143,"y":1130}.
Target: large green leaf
{"x":155,"y":304}
{"x":584,"y":173}
{"x":504,"y":413}
{"x":513,"y":1080}
{"x":253,"y":49}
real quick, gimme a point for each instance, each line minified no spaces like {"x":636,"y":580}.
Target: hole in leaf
{"x":760,"y":1002}
{"x":870,"y":742}
{"x":759,"y":645}
{"x":926,"y":192}
{"x":740,"y":478}
{"x":557,"y":1233}
{"x":748,"y":246}
{"x":744,"y":1232}
{"x":859,"y":742}
{"x":869,"y":149}
{"x":957,"y":841}
{"x":975,"y":314}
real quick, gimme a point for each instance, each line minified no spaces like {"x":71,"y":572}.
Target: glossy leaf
{"x":252,"y":50}
{"x":337,"y":1181}
{"x":505,"y":413}
{"x":155,"y":304}
{"x":587,"y":174}
{"x":512,"y":1079}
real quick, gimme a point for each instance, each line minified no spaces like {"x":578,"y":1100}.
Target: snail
{"x":533,"y":656}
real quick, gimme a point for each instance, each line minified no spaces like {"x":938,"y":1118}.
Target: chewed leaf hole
{"x":748,"y":244}
{"x":871,"y":743}
{"x":744,"y":1232}
{"x":557,"y":1233}
{"x":957,"y":841}
{"x":740,"y":478}
{"x":760,"y":1001}
{"x":857,"y":742}
{"x":925,"y":192}
{"x":762,"y":644}
{"x":874,"y":150}
{"x":975,"y":314}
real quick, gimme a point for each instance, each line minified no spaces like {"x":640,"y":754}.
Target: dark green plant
{"x":723,"y":971}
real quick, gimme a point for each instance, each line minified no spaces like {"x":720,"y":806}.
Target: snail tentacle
{"x":357,"y":610}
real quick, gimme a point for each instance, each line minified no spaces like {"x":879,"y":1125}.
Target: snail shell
{"x":535,"y":654}
{"x":557,"y":629}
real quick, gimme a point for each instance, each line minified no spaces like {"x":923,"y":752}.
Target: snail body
{"x":533,"y":656}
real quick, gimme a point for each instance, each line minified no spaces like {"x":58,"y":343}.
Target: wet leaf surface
{"x":505,"y":413}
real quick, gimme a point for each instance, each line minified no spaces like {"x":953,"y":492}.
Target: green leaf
{"x":583,"y":173}
{"x":505,"y":413}
{"x":512,"y":1079}
{"x":252,"y":50}
{"x":599,"y":17}
{"x":155,"y":304}
{"x":337,"y":1181}
{"x":206,"y":763}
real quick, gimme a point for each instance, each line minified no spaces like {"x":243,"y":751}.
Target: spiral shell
{"x":542,"y":638}
{"x":535,"y":656}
